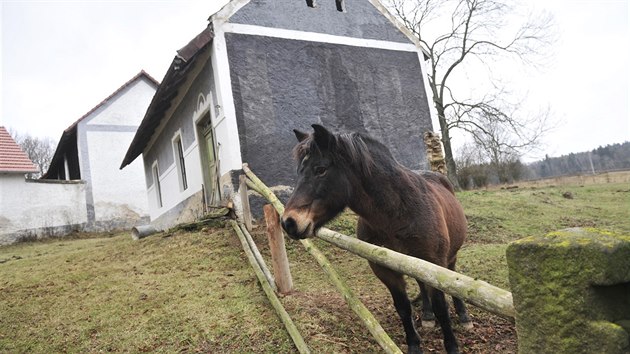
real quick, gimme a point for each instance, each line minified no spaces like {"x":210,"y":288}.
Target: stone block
{"x":571,"y":291}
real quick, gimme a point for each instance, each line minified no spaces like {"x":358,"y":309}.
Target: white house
{"x":91,"y":148}
{"x":262,"y":68}
{"x":30,"y":209}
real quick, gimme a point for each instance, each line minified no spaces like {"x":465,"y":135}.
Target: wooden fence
{"x":583,"y":275}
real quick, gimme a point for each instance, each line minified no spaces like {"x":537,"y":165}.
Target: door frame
{"x":204,"y":122}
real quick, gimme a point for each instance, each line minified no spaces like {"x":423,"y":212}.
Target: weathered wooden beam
{"x":258,"y":256}
{"x":261,"y":188}
{"x":279,"y":260}
{"x":476,"y":292}
{"x":271,"y":295}
{"x":353,"y":302}
{"x":247,"y":213}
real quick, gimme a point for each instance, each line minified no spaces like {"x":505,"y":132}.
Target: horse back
{"x":452,"y":211}
{"x":438,"y":178}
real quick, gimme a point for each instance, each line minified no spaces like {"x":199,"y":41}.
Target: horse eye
{"x":320,"y":171}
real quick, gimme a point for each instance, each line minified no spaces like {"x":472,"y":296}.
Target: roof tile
{"x":12,"y":157}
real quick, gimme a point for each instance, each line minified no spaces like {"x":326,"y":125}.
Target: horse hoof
{"x":468,"y":325}
{"x":428,"y":324}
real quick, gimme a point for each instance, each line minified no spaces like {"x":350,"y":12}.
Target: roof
{"x":12,"y":157}
{"x":70,"y":132}
{"x":175,"y":77}
{"x":142,"y":73}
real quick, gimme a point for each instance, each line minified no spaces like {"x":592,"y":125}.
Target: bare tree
{"x":460,"y":35}
{"x":502,"y":135}
{"x":39,"y":150}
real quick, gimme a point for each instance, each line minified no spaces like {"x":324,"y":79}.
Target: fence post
{"x":247,"y":213}
{"x":571,"y":291}
{"x":279,"y":260}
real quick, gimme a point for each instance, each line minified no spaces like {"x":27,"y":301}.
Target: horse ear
{"x":299,"y":135}
{"x":324,"y":139}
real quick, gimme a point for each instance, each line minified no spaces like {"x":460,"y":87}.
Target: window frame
{"x":180,"y":160}
{"x":155,"y":171}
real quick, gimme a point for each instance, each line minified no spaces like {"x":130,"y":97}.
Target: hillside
{"x":195,"y":291}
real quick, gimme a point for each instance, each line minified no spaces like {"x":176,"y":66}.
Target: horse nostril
{"x":289,"y":225}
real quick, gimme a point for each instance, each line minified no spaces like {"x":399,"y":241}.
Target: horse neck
{"x":382,"y":195}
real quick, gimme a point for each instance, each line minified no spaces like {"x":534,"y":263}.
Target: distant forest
{"x":472,"y":174}
{"x":604,"y":158}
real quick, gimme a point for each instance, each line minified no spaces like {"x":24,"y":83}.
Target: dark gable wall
{"x":360,"y":20}
{"x":182,"y":118}
{"x":280,"y":84}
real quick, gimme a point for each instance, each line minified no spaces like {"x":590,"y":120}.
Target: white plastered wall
{"x":38,"y":205}
{"x":171,"y":192}
{"x":117,"y":195}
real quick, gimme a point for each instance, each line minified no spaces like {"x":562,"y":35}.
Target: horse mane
{"x":353,"y":149}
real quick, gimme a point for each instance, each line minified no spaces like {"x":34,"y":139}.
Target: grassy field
{"x":195,"y":291}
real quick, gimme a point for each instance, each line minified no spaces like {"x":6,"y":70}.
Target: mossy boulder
{"x":571,"y":291}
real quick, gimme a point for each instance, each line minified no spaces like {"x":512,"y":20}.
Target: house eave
{"x":176,"y":76}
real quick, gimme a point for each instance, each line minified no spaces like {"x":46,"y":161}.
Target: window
{"x":179,"y":160}
{"x":156,"y":184}
{"x":340,"y":5}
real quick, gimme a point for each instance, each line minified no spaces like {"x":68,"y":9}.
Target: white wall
{"x":39,"y":207}
{"x":172,"y":194}
{"x":127,"y":108}
{"x":226,"y":127}
{"x":118,"y":196}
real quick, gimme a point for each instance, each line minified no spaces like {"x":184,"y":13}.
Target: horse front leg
{"x":396,"y":285}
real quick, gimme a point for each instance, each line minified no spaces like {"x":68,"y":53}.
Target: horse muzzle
{"x":297,"y":228}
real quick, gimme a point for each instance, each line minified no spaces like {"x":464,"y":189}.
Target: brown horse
{"x":415,"y":214}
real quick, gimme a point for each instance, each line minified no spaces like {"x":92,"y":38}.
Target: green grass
{"x":184,"y":292}
{"x":195,"y":292}
{"x":499,"y":216}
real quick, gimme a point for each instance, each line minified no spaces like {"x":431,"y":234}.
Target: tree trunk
{"x":451,"y":167}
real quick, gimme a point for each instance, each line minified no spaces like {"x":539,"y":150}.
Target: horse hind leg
{"x":440,"y":307}
{"x":396,"y":285}
{"x":427,"y":315}
{"x":460,"y":307}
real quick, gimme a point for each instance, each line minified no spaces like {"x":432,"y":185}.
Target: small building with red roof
{"x":83,"y":189}
{"x":29,"y":208}
{"x":13,"y":160}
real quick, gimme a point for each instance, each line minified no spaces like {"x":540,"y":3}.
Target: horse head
{"x":323,"y":187}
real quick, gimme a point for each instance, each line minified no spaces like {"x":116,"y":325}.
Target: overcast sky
{"x":61,"y":58}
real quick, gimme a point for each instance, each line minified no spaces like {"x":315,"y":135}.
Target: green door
{"x":210,"y":166}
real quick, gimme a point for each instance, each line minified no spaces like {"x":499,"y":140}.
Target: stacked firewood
{"x":435,"y":155}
